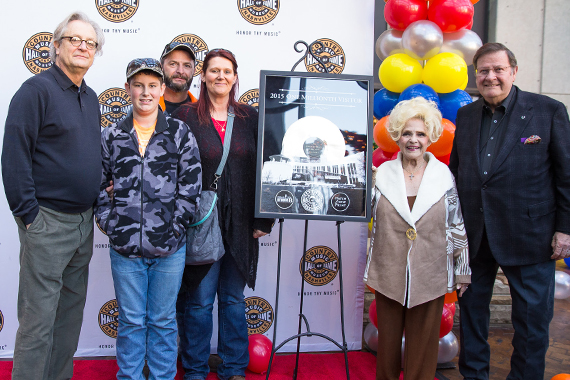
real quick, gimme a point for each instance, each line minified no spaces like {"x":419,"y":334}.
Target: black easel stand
{"x":302,"y":317}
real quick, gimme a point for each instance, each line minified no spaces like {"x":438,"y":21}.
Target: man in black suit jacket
{"x":511,"y":161}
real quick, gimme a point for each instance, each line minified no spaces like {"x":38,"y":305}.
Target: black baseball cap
{"x":144,"y":64}
{"x":178,"y":45}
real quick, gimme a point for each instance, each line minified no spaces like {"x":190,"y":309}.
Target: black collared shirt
{"x":493,"y":125}
{"x":51,"y":155}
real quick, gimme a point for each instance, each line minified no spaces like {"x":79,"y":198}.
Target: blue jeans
{"x":225,"y":280}
{"x":146,"y":292}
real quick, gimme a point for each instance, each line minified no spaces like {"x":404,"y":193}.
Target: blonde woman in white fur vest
{"x":418,"y":250}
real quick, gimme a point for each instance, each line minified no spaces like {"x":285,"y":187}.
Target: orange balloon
{"x":561,"y":376}
{"x":382,"y":137}
{"x":474,"y":1}
{"x":371,"y":290}
{"x":450,"y":297}
{"x":442,"y":147}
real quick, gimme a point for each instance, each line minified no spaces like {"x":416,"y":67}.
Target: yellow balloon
{"x":446,"y":72}
{"x":399,"y":71}
{"x":370,"y":224}
{"x":464,"y":85}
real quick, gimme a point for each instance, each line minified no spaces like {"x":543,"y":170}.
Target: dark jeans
{"x":54,"y":261}
{"x":532,"y":293}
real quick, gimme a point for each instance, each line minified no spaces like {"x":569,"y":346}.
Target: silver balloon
{"x":464,"y":43}
{"x":371,"y":337}
{"x":448,"y":348}
{"x":422,"y":39}
{"x":403,"y":349}
{"x":561,"y":285}
{"x":389,"y":42}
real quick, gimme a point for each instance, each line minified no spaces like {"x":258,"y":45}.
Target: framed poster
{"x":313,"y":154}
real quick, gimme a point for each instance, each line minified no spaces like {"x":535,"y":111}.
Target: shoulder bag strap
{"x":227,"y":142}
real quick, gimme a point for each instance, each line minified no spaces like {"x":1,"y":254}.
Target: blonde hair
{"x":416,"y":108}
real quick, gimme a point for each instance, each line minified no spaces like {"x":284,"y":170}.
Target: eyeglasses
{"x":140,"y":64}
{"x":76,"y":41}
{"x":497,"y":70}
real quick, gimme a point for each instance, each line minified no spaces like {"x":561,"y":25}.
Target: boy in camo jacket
{"x":154,"y":163}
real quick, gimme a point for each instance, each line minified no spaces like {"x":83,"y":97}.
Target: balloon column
{"x":425,"y":53}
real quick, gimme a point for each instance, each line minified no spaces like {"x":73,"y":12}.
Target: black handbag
{"x":204,"y":243}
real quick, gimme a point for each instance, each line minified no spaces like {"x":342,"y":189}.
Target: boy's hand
{"x":109,"y":189}
{"x":258,"y":234}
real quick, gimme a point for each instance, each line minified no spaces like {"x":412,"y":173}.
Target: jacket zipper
{"x":136,"y":142}
{"x":142,"y":187}
{"x":142,"y":195}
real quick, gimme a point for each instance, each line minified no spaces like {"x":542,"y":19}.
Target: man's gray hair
{"x":62,"y":28}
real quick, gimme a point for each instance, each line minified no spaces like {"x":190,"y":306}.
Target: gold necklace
{"x":219,"y":124}
{"x":412,"y":173}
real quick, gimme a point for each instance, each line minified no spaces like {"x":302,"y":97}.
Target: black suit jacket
{"x":525,"y":197}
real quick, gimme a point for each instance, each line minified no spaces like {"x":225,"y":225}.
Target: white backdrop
{"x":256,"y":45}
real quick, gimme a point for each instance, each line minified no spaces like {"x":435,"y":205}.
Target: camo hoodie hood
{"x":155,"y":196}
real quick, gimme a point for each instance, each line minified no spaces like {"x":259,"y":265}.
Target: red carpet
{"x":362,"y":366}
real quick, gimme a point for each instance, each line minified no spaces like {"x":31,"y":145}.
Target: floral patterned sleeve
{"x":457,"y":246}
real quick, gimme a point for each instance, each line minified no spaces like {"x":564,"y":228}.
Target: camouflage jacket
{"x":155,"y":196}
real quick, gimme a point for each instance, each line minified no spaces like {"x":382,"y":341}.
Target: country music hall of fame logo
{"x":198,"y":45}
{"x":117,"y":10}
{"x":251,"y":98}
{"x":321,"y":265}
{"x":327,"y":52}
{"x":115,"y":105}
{"x":36,"y":52}
{"x":258,"y":12}
{"x":258,"y":314}
{"x":109,"y":318}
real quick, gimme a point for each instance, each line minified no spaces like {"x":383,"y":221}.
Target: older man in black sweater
{"x":51,"y":167}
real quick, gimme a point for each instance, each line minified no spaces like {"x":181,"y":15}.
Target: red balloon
{"x":401,"y":13}
{"x":372,"y":314}
{"x":379,"y":157}
{"x":259,"y":353}
{"x":444,"y":159}
{"x":446,"y":322}
{"x":450,"y":306}
{"x":442,"y":147}
{"x":451,"y":15}
{"x":382,"y":137}
{"x":470,"y":25}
